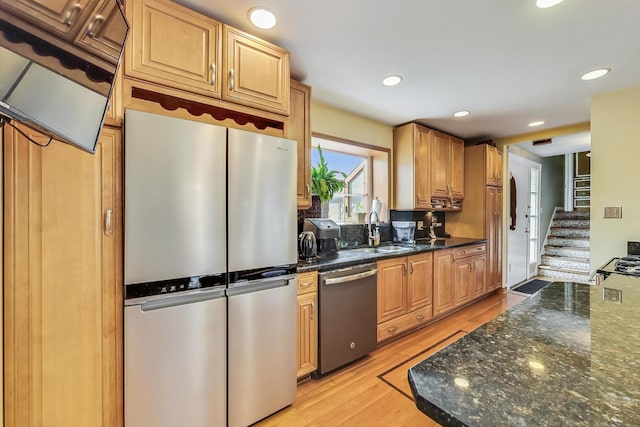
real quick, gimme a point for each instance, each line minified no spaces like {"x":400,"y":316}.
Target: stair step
{"x":569,"y":232}
{"x":567,"y":274}
{"x":579,"y":242}
{"x":572,"y":215}
{"x":578,"y":264}
{"x":567,"y":251}
{"x":571,"y":223}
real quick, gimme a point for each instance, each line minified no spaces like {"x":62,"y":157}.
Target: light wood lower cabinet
{"x":443,"y":281}
{"x":405,"y":289}
{"x":307,"y":323}
{"x":62,"y":282}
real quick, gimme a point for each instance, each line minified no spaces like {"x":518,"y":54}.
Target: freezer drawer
{"x":262,"y":349}
{"x":175,"y":361}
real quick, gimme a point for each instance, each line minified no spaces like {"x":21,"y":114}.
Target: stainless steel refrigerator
{"x":210,"y":308}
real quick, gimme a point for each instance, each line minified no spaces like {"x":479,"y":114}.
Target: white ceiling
{"x":506,"y":61}
{"x":573,"y":143}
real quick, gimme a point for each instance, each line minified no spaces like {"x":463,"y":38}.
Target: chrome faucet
{"x":372,"y":230}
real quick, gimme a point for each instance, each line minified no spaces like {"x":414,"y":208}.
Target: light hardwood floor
{"x":374,"y":391}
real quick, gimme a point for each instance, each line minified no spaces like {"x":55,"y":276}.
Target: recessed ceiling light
{"x":595,"y":74}
{"x":392,"y":80}
{"x":262,"y":18}
{"x":461,"y":113}
{"x":534,"y":124}
{"x":543,"y":4}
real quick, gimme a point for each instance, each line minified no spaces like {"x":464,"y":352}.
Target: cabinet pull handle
{"x":411,"y":264}
{"x":108,"y":230}
{"x":213,"y":74}
{"x":96,"y":20}
{"x":420,"y":317}
{"x":232,"y":79}
{"x":305,"y":284}
{"x":313,"y":309}
{"x":67,"y":18}
{"x":392,"y":329}
{"x":404,"y":269}
{"x":306,"y":190}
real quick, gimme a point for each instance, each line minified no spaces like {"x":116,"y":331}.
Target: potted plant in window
{"x":325,"y":182}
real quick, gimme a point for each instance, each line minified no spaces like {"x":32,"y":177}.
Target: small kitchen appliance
{"x":427,"y":224}
{"x":327,"y":235}
{"x":307,"y":246}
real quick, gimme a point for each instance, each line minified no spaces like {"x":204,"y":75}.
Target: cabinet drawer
{"x":404,"y":323}
{"x":466,"y":251}
{"x":307,"y":282}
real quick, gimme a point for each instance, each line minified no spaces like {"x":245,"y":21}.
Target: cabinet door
{"x":64,"y":17}
{"x":63,"y":282}
{"x":443,"y":281}
{"x":307,"y":333}
{"x":440,"y":165}
{"x":422,"y":162}
{"x":494,"y":238}
{"x":103,"y":34}
{"x":456,"y":167}
{"x":420,"y":281}
{"x":298,"y":128}
{"x":494,"y":166}
{"x":462,"y":283}
{"x":392,"y":283}
{"x":478,"y":276}
{"x":174,"y":46}
{"x":256,"y":72}
{"x":497,"y":167}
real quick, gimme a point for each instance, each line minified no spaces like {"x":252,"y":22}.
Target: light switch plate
{"x":613,"y":211}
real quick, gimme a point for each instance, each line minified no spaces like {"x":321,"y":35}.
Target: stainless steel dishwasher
{"x":347,"y":313}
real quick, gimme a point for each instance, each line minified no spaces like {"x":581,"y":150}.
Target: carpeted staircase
{"x":566,"y":254}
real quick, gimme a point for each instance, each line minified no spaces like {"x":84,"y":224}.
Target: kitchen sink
{"x":382,"y":249}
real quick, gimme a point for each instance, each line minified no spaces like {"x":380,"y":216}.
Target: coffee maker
{"x":327,"y":235}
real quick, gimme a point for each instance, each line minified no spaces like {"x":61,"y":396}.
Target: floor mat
{"x":532,"y":286}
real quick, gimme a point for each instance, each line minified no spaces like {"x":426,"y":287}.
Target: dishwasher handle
{"x":351,"y":277}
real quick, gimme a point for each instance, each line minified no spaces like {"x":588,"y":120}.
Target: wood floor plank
{"x":366,"y":392}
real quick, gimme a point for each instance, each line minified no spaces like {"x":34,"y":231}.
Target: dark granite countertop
{"x":568,"y":355}
{"x":348,"y":257}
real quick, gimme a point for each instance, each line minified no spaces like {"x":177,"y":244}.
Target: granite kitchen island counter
{"x":568,"y":355}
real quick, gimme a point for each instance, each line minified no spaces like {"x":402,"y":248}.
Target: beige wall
{"x":333,"y":122}
{"x":615,"y":172}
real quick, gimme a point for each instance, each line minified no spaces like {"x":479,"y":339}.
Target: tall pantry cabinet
{"x":62,"y":281}
{"x":482,"y":213}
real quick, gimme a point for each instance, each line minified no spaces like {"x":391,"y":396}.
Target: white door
{"x":523,"y":219}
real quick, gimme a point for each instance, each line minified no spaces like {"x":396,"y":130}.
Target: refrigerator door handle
{"x":181,"y":299}
{"x":240,"y":288}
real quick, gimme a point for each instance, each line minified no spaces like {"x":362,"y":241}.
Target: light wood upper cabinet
{"x":62,"y":282}
{"x":172,"y":45}
{"x":298,"y":128}
{"x":447,"y":166}
{"x":104,"y":33}
{"x":307,"y":360}
{"x":257,"y":72}
{"x":428,"y":168}
{"x":64,"y":17}
{"x":412,"y":164}
{"x":494,"y":166}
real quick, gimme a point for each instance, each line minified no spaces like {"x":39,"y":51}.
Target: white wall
{"x":615,"y":172}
